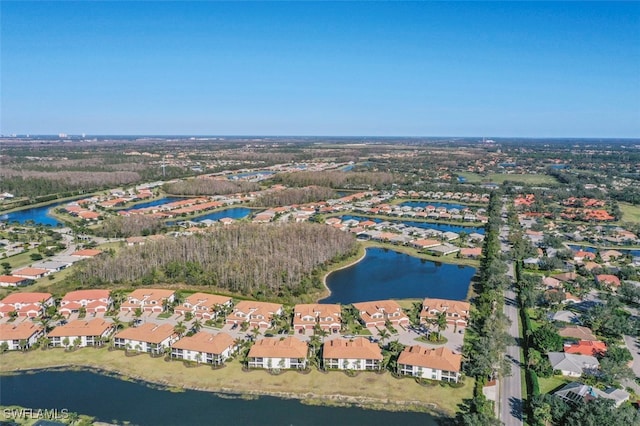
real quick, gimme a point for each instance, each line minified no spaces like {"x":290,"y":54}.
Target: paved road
{"x":511,"y":403}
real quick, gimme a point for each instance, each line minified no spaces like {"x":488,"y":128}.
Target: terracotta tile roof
{"x":586,"y":347}
{"x":577,"y":332}
{"x":430,"y":308}
{"x":23,"y":330}
{"x":11,"y":279}
{"x":440,"y":358}
{"x":30,"y":271}
{"x":79,"y":295}
{"x":273,"y":347}
{"x":94,"y":327}
{"x":610,"y":279}
{"x":149,"y":294}
{"x":205,"y":342}
{"x":425,"y":243}
{"x":358,"y":348}
{"x":253,"y":310}
{"x":205,"y":299}
{"x":147,"y":332}
{"x":24,"y":298}
{"x":86,"y":253}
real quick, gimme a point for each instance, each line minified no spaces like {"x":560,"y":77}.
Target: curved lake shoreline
{"x":141,"y":403}
{"x":334,"y":388}
{"x":384,"y":273}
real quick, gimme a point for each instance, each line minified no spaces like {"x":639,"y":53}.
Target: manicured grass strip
{"x":372,"y":389}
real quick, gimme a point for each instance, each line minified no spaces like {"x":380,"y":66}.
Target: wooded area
{"x":207,"y":186}
{"x":264,"y":261}
{"x":338,"y":179}
{"x":128,"y":226}
{"x":293,"y":196}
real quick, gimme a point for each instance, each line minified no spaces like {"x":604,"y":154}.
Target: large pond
{"x":233,"y":213}
{"x":424,"y":225}
{"x":386,"y":274}
{"x":110,"y":399}
{"x":38,"y":215}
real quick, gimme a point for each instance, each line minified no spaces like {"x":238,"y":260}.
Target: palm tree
{"x":441,"y":323}
{"x":179,"y":328}
{"x":196,"y":326}
{"x":383,"y":334}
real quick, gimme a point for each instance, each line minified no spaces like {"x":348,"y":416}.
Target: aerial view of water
{"x":36,"y":214}
{"x":233,"y":213}
{"x":424,"y":225}
{"x":84,"y":392}
{"x":386,"y":274}
{"x":632,"y":252}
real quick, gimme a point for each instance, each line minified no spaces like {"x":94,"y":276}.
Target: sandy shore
{"x":367,"y":389}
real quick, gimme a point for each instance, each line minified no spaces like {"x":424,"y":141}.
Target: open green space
{"x":527,"y":179}
{"x":630,"y":212}
{"x":548,"y":384}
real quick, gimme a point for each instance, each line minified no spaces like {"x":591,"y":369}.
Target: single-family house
{"x":86,"y":253}
{"x":608,"y":280}
{"x":12,"y":281}
{"x":428,"y":363}
{"x":573,"y":365}
{"x":204,"y":347}
{"x":81,"y":333}
{"x":148,"y":300}
{"x":356,"y":354}
{"x":576,"y":393}
{"x":203,"y":305}
{"x":578,"y":332}
{"x":456,"y":312}
{"x":31,"y":273}
{"x":96,"y":301}
{"x":376,"y":314}
{"x":256,"y":314}
{"x":586,"y":347}
{"x":21,"y":335}
{"x":148,"y":337}
{"x":279,"y":353}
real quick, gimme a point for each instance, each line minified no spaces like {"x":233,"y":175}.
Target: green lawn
{"x":630,"y":213}
{"x":528,"y":179}
{"x":551,"y":383}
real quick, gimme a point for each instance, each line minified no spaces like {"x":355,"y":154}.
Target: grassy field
{"x":380,"y":391}
{"x":528,"y":179}
{"x":630,"y":213}
{"x":548,"y":384}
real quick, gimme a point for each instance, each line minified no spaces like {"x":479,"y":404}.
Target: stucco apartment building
{"x":275,"y":353}
{"x":81,"y":333}
{"x":428,"y":363}
{"x":204,"y":347}
{"x":148,"y":300}
{"x":356,"y":354}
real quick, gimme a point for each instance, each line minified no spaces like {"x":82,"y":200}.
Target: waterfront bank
{"x":367,"y":390}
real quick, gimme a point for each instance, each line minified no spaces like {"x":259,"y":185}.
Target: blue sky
{"x":540,"y":69}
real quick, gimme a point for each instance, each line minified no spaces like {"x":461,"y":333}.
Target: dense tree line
{"x":487,"y":336}
{"x":128,"y":226}
{"x":547,"y":409}
{"x":33,"y":184}
{"x":292,"y":196}
{"x":263,"y":261}
{"x":209,"y":187}
{"x":337,"y":179}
